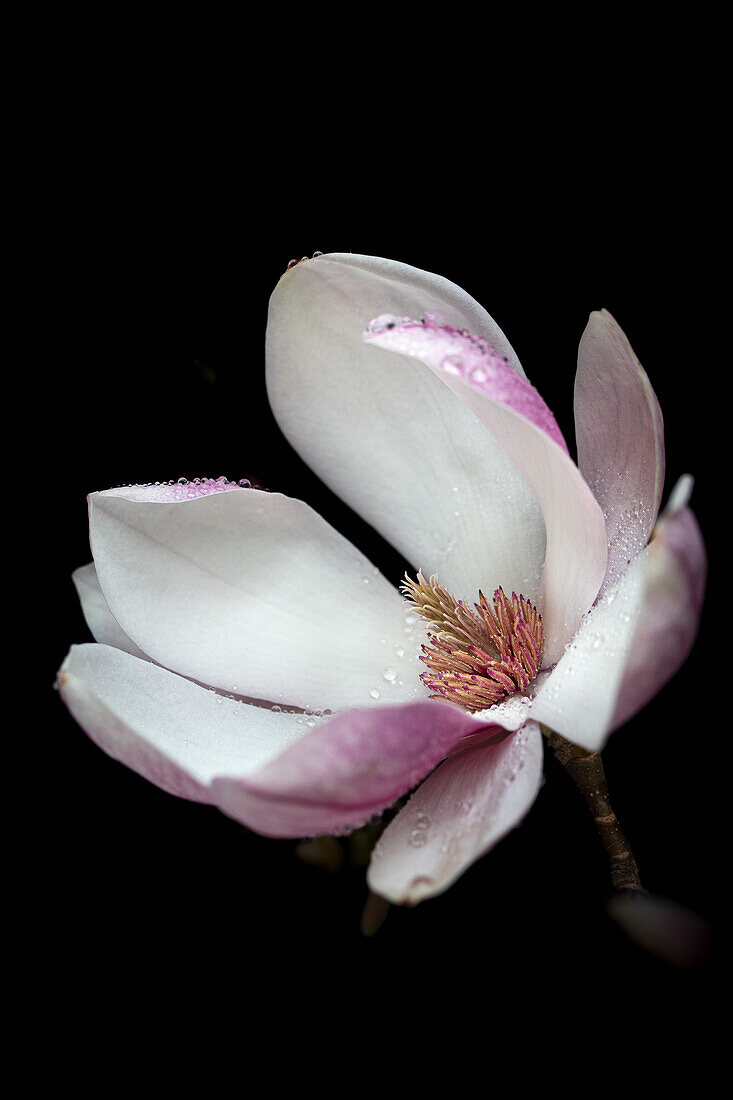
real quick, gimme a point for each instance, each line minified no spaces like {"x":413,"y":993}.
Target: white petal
{"x":387,"y":436}
{"x":578,"y":698}
{"x":97,"y":615}
{"x":176,"y":734}
{"x":256,"y":594}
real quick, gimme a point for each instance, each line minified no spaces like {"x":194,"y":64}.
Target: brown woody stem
{"x":586,"y":770}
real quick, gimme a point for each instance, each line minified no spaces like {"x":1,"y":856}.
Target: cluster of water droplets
{"x":432,"y":323}
{"x":309,"y":716}
{"x":459,"y":353}
{"x":513,"y":711}
{"x":419,"y":835}
{"x":294,"y":263}
{"x":183,"y":489}
{"x":628,"y":533}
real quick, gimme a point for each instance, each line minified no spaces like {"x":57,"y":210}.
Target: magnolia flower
{"x":248,"y":656}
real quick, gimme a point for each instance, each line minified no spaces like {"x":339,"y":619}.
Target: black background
{"x":159,"y":258}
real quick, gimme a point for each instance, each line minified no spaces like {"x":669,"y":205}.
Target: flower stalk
{"x":587,"y":772}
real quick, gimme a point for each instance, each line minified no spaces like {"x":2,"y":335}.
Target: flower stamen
{"x":477,"y":657}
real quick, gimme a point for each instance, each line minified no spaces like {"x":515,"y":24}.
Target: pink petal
{"x":620,"y":437}
{"x":670,"y":612}
{"x":575,"y":561}
{"x":352,"y":767}
{"x":461,"y":811}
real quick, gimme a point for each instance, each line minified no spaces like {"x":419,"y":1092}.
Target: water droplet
{"x":374,"y":693}
{"x":389,"y":674}
{"x":418,"y":838}
{"x":452,"y":364}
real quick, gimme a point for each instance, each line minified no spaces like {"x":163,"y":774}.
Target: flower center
{"x":476,"y":658}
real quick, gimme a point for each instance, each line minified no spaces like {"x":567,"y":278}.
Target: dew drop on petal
{"x":452,"y":364}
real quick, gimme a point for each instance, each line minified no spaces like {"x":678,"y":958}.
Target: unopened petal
{"x":256,"y":594}
{"x":461,"y":811}
{"x":387,"y":436}
{"x":620,"y":437}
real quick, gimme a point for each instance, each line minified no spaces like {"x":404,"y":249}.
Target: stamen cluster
{"x":476,"y":657}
